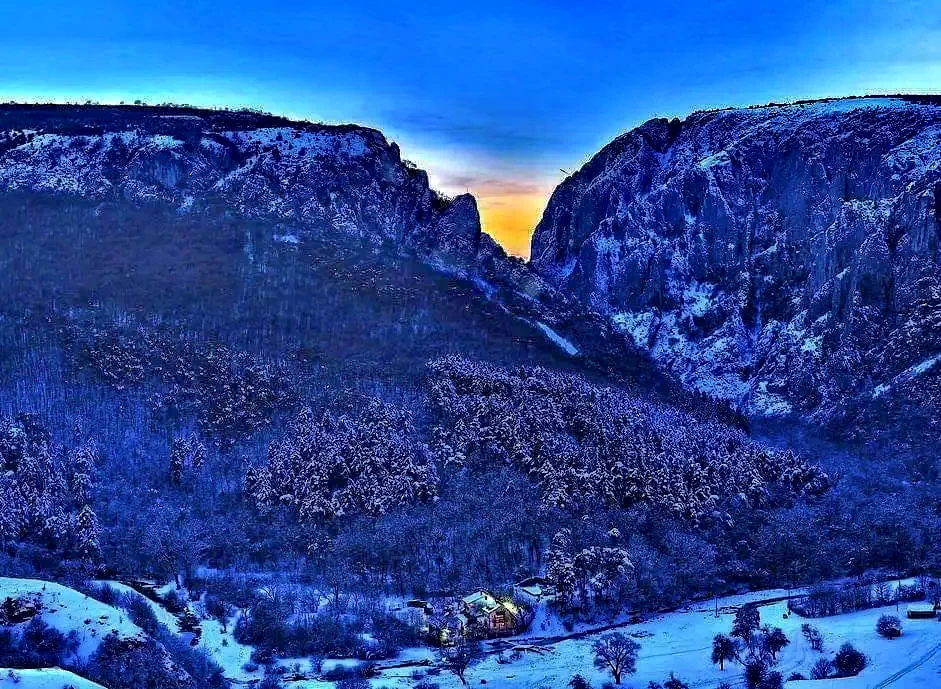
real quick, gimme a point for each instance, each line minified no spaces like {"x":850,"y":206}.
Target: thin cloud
{"x":493,"y":186}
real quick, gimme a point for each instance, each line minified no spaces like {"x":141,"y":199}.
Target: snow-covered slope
{"x":67,"y":610}
{"x":44,"y":678}
{"x":784,"y":257}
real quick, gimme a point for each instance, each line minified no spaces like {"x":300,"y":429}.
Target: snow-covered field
{"x":681,"y":643}
{"x":677,"y":642}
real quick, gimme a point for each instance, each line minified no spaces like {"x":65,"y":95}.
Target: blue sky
{"x":491,"y":97}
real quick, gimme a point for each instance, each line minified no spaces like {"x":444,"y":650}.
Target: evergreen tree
{"x":88,"y":533}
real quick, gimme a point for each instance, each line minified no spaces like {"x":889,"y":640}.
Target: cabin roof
{"x":449,"y":621}
{"x":482,"y":602}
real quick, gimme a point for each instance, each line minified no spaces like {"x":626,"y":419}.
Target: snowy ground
{"x":46,"y":678}
{"x":66,"y":609}
{"x":680,"y":642}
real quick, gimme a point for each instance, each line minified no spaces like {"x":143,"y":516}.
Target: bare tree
{"x":617,"y":654}
{"x":460,"y":656}
{"x":723,"y":649}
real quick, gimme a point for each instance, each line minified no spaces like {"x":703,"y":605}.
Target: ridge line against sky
{"x":492,"y":98}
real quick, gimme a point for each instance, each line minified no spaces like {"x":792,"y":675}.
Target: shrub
{"x":755,"y":672}
{"x":795,"y":677}
{"x":39,"y":645}
{"x":675,"y":683}
{"x":131,"y":664}
{"x":822,"y":669}
{"x":206,"y":673}
{"x":813,"y":636}
{"x":390,"y":635}
{"x":340,"y":673}
{"x":270,"y":681}
{"x":107,"y":595}
{"x":579,"y":682}
{"x":773,"y":680}
{"x":141,"y":613}
{"x":262,"y":655}
{"x":173,"y":602}
{"x":889,"y":626}
{"x":217,"y":609}
{"x":849,"y":661}
{"x":353,"y":683}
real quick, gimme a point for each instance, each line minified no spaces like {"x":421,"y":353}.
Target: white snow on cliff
{"x":563,"y":343}
{"x":919,"y":369}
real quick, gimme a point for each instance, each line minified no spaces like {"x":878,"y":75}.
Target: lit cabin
{"x":488,"y":616}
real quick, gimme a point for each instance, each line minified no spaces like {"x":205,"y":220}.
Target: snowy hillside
{"x":67,"y":610}
{"x":47,"y":627}
{"x":45,"y":678}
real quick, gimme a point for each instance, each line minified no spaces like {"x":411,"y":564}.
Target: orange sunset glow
{"x":511,"y":217}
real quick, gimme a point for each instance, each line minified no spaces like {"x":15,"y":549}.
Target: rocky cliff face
{"x":308,"y":178}
{"x":783,"y":257}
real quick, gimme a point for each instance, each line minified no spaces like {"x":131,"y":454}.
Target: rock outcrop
{"x":783,"y":257}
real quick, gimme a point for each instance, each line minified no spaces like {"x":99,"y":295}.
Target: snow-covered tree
{"x":365,"y":461}
{"x":746,"y":622}
{"x":585,"y":444}
{"x":187,"y":454}
{"x":87,"y":533}
{"x":773,"y":640}
{"x":458,"y":657}
{"x":44,"y":489}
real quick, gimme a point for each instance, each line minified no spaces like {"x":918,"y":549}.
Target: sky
{"x":495,"y":98}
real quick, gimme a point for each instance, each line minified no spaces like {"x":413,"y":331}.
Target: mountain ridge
{"x":259,"y":166}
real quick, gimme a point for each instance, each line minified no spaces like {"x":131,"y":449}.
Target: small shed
{"x":422,"y":605}
{"x":922,"y":612}
{"x":532,"y":589}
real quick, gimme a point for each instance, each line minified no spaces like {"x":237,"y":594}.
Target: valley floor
{"x":678,"y":642}
{"x":681,"y":642}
